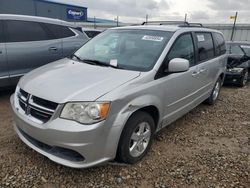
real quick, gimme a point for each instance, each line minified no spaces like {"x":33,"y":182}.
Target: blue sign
{"x":74,"y":14}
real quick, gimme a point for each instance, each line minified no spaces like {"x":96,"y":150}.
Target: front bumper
{"x":233,"y":78}
{"x":85,"y":145}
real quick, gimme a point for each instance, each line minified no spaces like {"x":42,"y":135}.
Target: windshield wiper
{"x":81,"y":60}
{"x":101,"y":63}
{"x":74,"y":55}
{"x":96,"y":62}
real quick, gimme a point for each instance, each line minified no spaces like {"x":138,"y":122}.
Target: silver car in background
{"x":28,"y":42}
{"x":108,"y":100}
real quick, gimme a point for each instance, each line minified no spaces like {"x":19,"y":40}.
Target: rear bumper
{"x":67,"y":142}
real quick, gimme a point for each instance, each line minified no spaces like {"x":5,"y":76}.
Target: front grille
{"x":38,"y":108}
{"x":40,"y":115}
{"x":24,"y":93}
{"x":45,"y":103}
{"x":22,"y":105}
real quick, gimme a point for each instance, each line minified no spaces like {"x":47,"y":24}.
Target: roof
{"x":151,"y":27}
{"x":170,"y":28}
{"x":64,"y":3}
{"x":35,"y":18}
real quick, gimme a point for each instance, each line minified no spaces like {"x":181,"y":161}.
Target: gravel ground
{"x":209,"y":147}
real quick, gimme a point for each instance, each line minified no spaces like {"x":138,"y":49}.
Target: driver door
{"x":181,"y":91}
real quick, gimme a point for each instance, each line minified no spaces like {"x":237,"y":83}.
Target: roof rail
{"x":192,"y":25}
{"x":178,"y":23}
{"x":164,"y":23}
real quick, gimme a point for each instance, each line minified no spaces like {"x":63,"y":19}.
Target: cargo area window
{"x":205,"y":46}
{"x":24,"y":31}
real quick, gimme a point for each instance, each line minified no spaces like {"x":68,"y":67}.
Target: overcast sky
{"x":205,"y":11}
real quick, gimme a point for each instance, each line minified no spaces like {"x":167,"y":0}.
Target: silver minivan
{"x":28,"y":42}
{"x":111,"y":96}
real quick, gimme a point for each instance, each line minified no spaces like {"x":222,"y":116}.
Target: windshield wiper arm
{"x":96,"y":62}
{"x":81,"y":60}
{"x":74,"y":55}
{"x":102,"y":63}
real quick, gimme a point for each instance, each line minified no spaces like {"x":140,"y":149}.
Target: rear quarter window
{"x":205,"y":46}
{"x":59,"y":31}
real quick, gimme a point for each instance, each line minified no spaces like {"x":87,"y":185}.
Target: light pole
{"x":117,"y":21}
{"x":94,"y":23}
{"x":235,"y":19}
{"x":185,"y":19}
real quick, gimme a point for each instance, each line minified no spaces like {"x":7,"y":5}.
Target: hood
{"x":237,"y":61}
{"x":68,"y":80}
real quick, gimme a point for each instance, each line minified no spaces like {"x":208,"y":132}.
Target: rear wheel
{"x":136,"y":138}
{"x":244,"y":78}
{"x":215,"y":92}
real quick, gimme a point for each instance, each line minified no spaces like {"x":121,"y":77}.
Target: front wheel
{"x":215,"y":92}
{"x":136,"y":138}
{"x":244,"y":79}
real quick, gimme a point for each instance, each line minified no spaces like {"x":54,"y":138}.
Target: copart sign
{"x":76,"y":14}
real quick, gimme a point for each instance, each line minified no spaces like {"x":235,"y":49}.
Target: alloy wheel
{"x":245,"y":78}
{"x":140,"y":139}
{"x":216,"y":90}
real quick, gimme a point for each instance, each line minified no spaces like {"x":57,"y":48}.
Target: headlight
{"x":86,"y":112}
{"x":235,"y":70}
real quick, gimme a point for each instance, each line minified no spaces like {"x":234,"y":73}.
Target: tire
{"x":244,"y":78}
{"x":134,"y":145}
{"x":215,"y":92}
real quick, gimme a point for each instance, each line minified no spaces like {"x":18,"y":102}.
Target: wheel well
{"x":153,"y":111}
{"x":222,"y":76}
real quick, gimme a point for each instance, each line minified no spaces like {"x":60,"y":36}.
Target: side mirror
{"x":178,"y":65}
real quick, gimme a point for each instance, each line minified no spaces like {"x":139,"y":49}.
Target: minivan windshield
{"x":133,"y":49}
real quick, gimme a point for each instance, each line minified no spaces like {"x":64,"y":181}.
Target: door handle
{"x":1,"y":52}
{"x":203,"y":70}
{"x":195,"y":74}
{"x":53,"y":49}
